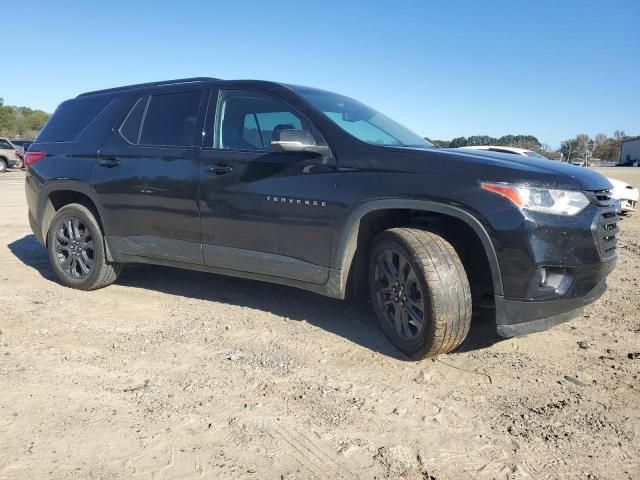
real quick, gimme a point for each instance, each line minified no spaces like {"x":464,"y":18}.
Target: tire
{"x":411,"y":268}
{"x":76,"y":249}
{"x":19,"y":163}
{"x":3,"y":166}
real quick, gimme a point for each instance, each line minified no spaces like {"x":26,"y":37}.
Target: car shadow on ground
{"x":354,"y":321}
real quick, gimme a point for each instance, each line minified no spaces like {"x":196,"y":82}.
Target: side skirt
{"x":227,"y":261}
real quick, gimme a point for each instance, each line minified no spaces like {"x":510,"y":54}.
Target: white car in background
{"x":628,"y":195}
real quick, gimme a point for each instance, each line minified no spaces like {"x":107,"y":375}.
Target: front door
{"x":147,"y":178}
{"x":264,"y":212}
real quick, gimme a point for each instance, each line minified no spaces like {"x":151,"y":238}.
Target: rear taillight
{"x":31,"y":158}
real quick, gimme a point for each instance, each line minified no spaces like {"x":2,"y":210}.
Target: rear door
{"x":264,"y":212}
{"x":147,"y":177}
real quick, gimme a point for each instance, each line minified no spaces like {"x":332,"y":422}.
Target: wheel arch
{"x":348,"y":236}
{"x":57,"y":194}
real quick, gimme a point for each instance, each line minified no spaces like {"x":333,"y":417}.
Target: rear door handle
{"x":109,"y":162}
{"x":218,"y":169}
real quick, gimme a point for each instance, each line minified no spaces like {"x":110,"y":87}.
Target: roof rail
{"x":150,"y":84}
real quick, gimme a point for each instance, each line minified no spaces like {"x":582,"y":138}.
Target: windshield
{"x":529,"y":153}
{"x":361,"y":121}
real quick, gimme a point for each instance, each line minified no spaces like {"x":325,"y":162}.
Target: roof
{"x":204,"y":81}
{"x":152,"y":84}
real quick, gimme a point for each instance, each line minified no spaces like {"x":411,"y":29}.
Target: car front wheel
{"x":420,"y":291}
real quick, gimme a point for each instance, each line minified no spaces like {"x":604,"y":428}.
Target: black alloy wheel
{"x":74,"y":247}
{"x":398,"y":294}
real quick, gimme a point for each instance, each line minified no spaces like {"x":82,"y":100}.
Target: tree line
{"x":21,"y":122}
{"x":600,"y":147}
{"x":581,"y":147}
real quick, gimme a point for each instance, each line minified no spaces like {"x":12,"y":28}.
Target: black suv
{"x":311,"y":189}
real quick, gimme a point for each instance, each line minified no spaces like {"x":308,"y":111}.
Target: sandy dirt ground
{"x":178,"y":374}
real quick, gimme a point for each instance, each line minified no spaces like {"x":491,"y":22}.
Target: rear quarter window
{"x":71,"y":118}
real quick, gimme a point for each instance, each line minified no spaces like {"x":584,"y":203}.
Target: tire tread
{"x":449,"y":294}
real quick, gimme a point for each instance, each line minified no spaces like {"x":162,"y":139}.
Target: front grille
{"x":602,"y":195}
{"x":606,"y":229}
{"x":605,"y":225}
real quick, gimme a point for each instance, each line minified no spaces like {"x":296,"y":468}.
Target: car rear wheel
{"x":3,"y":166}
{"x":76,"y":249}
{"x":19,"y":163}
{"x":420,"y":291}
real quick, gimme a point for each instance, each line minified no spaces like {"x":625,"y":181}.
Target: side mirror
{"x":292,"y":141}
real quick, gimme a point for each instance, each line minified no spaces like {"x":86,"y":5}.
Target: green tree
{"x":21,"y":121}
{"x":459,"y":142}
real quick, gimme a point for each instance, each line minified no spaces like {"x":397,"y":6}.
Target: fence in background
{"x":603,"y":163}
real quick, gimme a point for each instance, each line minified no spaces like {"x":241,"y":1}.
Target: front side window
{"x":171,"y":120}
{"x":361,"y":121}
{"x":247,"y":120}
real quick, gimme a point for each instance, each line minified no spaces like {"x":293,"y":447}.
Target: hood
{"x":502,"y":167}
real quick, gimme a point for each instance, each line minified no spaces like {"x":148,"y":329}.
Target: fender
{"x":46,"y":211}
{"x":347,"y":239}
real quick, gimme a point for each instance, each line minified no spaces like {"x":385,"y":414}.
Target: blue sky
{"x":444,"y":68}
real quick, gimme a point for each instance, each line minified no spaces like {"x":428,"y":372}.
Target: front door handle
{"x":109,"y":162}
{"x":219,"y":169}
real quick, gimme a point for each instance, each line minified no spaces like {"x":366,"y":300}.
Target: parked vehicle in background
{"x":630,"y":153}
{"x":23,"y":146}
{"x":307,"y":188}
{"x":502,"y":149}
{"x":578,"y":162}
{"x":8,"y":155}
{"x":626,"y":194}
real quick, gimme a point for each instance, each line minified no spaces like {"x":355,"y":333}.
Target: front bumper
{"x":517,"y":317}
{"x":553,"y":266}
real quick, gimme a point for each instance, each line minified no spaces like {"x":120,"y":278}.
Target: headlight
{"x":547,"y":200}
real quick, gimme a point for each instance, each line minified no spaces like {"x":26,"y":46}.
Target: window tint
{"x":251,"y":132}
{"x":130,"y":128}
{"x":361,"y":121}
{"x":71,"y":118}
{"x":247,"y":120}
{"x":363,"y":130}
{"x":171,"y":119}
{"x":530,"y":153}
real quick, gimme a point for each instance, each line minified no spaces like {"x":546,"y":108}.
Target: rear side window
{"x":71,"y":118}
{"x":130,"y":128}
{"x":5,"y":145}
{"x":171,"y":119}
